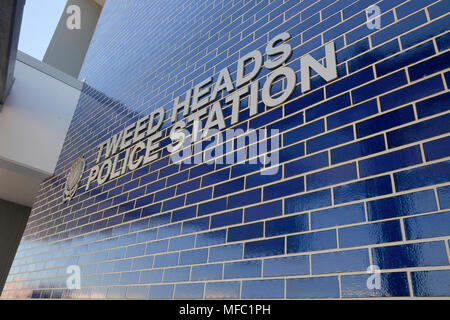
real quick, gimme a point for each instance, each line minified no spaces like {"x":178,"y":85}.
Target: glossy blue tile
{"x":136,"y":250}
{"x":391,"y":285}
{"x":228,"y":187}
{"x":210,"y":238}
{"x":116,"y":292}
{"x":331,"y":176}
{"x":362,"y":189}
{"x":411,"y":6}
{"x":164,"y":194}
{"x":198,"y":196}
{"x":263,"y":248}
{"x":244,"y":198}
{"x":307,"y":201}
{"x":184,"y":213}
{"x":199,"y":170}
{"x":265,"y":118}
{"x":212,"y":206}
{"x":173,"y":203}
{"x":215,"y":177}
{"x":444,"y":197}
{"x":111,"y":279}
{"x":419,"y":131}
{"x":189,"y":291}
{"x":390,"y":161}
{"x":379,"y":86}
{"x":178,"y":274}
{"x":195,"y":225}
{"x":437,"y":149}
{"x":385,"y":121}
{"x":223,"y":290}
{"x":431,"y":283}
{"x":161,"y":291}
{"x":225,"y":219}
{"x":422,"y":176}
{"x":411,"y":93}
{"x":177,"y":178}
{"x":345,"y":84}
{"x":242,"y":269}
{"x":362,"y":31}
{"x":306,"y":164}
{"x":345,"y":26}
{"x":433,"y":105}
{"x":374,"y":55}
{"x":166,"y":260}
{"x":430,"y":66}
{"x":285,"y":154}
{"x":263,"y":289}
{"x":157,"y":246}
{"x":331,"y":105}
{"x":151,"y":210}
{"x":287,"y":123}
{"x":320,"y":27}
{"x":410,"y":255}
{"x":372,"y":233}
{"x":330,"y":139}
{"x":407,"y":204}
{"x":312,"y":288}
{"x":188,"y":186}
{"x":399,"y":27}
{"x":258,"y":179}
{"x":207,"y":272}
{"x":312,"y":241}
{"x":169,"y":231}
{"x":425,"y":32}
{"x":151,"y":276}
{"x":287,"y":266}
{"x":224,"y":253}
{"x":443,"y":42}
{"x":167,"y":208}
{"x":284,"y":188}
{"x":303,"y":101}
{"x":438,"y":9}
{"x":428,"y":226}
{"x":181,"y":243}
{"x":337,"y":216}
{"x":358,"y":149}
{"x":122,"y":265}
{"x":137,"y":292}
{"x":244,"y":232}
{"x":286,"y":225}
{"x":263,"y":211}
{"x":343,"y":261}
{"x":405,"y":58}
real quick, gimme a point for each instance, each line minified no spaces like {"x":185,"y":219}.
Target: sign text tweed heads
{"x":137,"y":144}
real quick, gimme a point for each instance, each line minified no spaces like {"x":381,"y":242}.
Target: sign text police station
{"x":142,"y":136}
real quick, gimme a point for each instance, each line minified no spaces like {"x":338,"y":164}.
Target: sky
{"x":39,"y":21}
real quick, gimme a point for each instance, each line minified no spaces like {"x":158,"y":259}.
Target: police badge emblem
{"x":73,"y":179}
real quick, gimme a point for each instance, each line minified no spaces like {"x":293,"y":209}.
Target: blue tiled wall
{"x":364,"y":172}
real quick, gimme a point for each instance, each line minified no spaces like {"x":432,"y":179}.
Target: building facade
{"x":335,"y":183}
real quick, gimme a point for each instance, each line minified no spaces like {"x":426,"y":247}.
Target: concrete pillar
{"x":68,"y":47}
{"x":13,"y":219}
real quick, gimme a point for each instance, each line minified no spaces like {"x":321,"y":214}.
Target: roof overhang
{"x":101,"y":3}
{"x":10,"y":20}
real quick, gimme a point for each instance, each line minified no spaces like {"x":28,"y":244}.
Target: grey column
{"x":68,"y":47}
{"x":13,"y":219}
